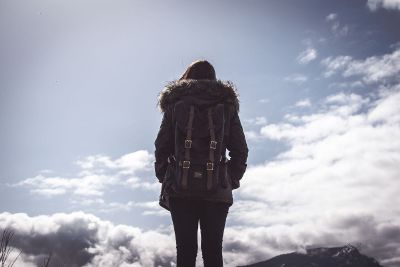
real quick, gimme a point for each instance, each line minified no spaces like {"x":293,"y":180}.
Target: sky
{"x":319,"y":92}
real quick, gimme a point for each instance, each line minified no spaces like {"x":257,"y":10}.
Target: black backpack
{"x":199,"y":132}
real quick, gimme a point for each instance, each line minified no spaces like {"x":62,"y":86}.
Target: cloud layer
{"x":338,"y":181}
{"x":80,"y":239}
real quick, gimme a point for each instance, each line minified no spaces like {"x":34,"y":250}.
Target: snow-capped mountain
{"x":347,"y":256}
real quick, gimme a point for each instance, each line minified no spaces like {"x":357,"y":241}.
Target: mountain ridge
{"x":345,"y":256}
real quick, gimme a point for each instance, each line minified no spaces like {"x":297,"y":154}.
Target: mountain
{"x":347,"y":256}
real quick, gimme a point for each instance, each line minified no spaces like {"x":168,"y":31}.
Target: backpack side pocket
{"x":166,"y":184}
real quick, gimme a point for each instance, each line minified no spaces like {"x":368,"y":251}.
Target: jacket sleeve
{"x":164,"y":145}
{"x":238,"y":150}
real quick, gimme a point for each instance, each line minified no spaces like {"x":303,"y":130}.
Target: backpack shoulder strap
{"x":229,"y":110}
{"x":188,"y":146}
{"x":213,"y":146}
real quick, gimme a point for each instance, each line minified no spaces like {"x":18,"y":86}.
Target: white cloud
{"x":376,"y":68}
{"x":337,"y":29}
{"x":98,"y":173}
{"x":332,"y":16}
{"x":303,"y":103}
{"x":372,"y":69}
{"x":253,"y":135}
{"x":333,"y":65}
{"x":333,"y":120}
{"x":126,"y":164}
{"x":386,"y":109}
{"x":314,"y":127}
{"x":389,"y":4}
{"x":88,"y":185}
{"x":307,"y":55}
{"x":296,"y":78}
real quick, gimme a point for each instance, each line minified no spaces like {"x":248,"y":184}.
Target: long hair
{"x":199,"y":70}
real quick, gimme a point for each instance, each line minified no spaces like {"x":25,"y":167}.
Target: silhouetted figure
{"x":200,"y":121}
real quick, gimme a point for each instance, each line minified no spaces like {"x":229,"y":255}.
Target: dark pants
{"x":186,"y":214}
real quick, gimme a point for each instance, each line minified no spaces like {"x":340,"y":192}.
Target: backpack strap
{"x":213,"y":147}
{"x":188,"y":146}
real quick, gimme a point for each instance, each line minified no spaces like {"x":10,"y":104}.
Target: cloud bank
{"x":339,"y":180}
{"x":80,"y":239}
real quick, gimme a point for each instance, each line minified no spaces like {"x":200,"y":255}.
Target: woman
{"x":199,"y":85}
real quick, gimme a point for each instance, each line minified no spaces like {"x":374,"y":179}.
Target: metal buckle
{"x":186,"y":164}
{"x":188,"y":143}
{"x":213,"y":144}
{"x":210,"y":166}
{"x":171,"y":158}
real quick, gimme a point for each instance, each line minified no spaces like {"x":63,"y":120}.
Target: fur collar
{"x":217,"y":90}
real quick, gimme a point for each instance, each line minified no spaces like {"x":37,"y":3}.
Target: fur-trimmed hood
{"x":207,"y":90}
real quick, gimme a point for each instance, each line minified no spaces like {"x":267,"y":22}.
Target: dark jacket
{"x":203,"y":92}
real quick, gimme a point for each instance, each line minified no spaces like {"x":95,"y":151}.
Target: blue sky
{"x":319,"y":91}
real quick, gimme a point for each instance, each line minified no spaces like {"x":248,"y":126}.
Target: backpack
{"x":199,"y":132}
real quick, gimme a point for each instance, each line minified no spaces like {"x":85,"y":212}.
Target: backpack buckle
{"x":213,"y":144}
{"x":186,"y":164}
{"x":188,"y":143}
{"x":210,"y":166}
{"x":171,"y":158}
